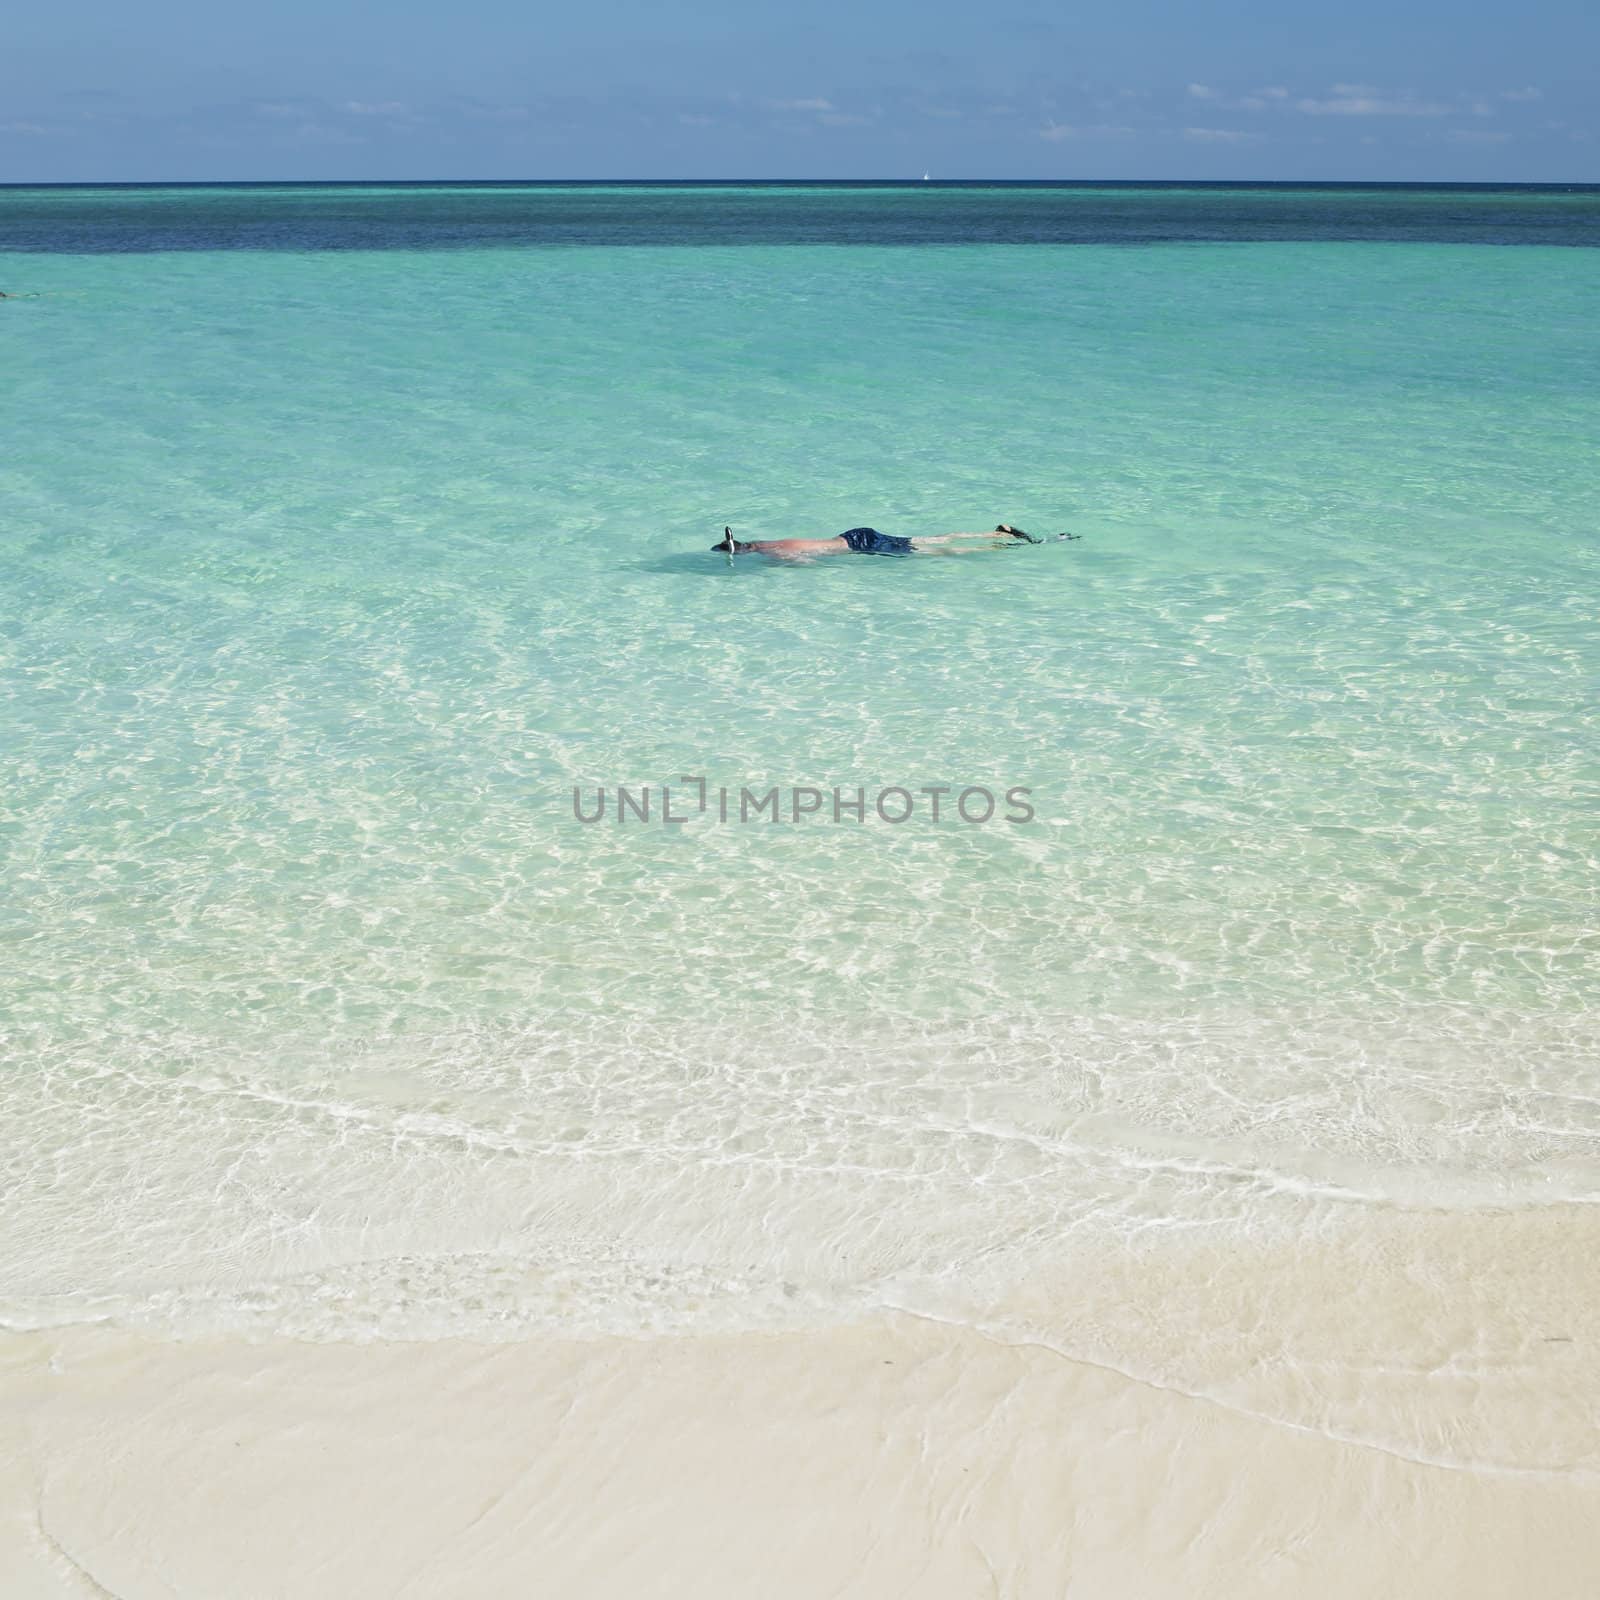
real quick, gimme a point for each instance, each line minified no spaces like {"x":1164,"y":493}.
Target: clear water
{"x":346,"y":531}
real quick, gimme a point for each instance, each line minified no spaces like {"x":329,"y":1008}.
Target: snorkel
{"x":729,"y":544}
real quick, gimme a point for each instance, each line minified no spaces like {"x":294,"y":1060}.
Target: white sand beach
{"x":896,"y":1457}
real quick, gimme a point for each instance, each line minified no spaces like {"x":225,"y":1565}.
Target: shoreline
{"x":899,"y":1454}
{"x":896,"y":1458}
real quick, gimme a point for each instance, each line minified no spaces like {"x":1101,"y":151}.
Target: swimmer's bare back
{"x":796,"y":549}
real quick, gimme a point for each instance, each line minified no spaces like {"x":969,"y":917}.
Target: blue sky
{"x":1412,"y":89}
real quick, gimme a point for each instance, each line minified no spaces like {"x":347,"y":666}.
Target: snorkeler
{"x":869,"y":542}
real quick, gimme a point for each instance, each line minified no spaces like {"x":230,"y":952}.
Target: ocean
{"x":355,"y":547}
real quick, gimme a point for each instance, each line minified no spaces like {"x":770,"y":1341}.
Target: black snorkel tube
{"x":730,"y":544}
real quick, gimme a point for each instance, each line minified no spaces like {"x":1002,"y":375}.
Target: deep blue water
{"x":76,"y":219}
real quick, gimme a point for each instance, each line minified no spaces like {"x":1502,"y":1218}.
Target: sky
{"x":1401,"y":90}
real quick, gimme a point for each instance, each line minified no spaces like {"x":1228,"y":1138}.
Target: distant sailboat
{"x":925,"y":178}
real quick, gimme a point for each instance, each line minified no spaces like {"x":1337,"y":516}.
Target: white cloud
{"x":828,"y":114}
{"x":312,"y":132}
{"x":1056,"y":131}
{"x":1476,"y":136}
{"x":1257,"y":99}
{"x":1369,"y":104}
{"x":1529,"y":93}
{"x":1218,"y":136}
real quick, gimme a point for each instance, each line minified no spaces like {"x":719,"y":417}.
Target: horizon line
{"x":808,"y":182}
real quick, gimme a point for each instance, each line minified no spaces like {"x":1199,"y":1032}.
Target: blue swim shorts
{"x":869,"y":542}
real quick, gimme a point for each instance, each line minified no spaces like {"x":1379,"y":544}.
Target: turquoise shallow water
{"x":329,"y":572}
